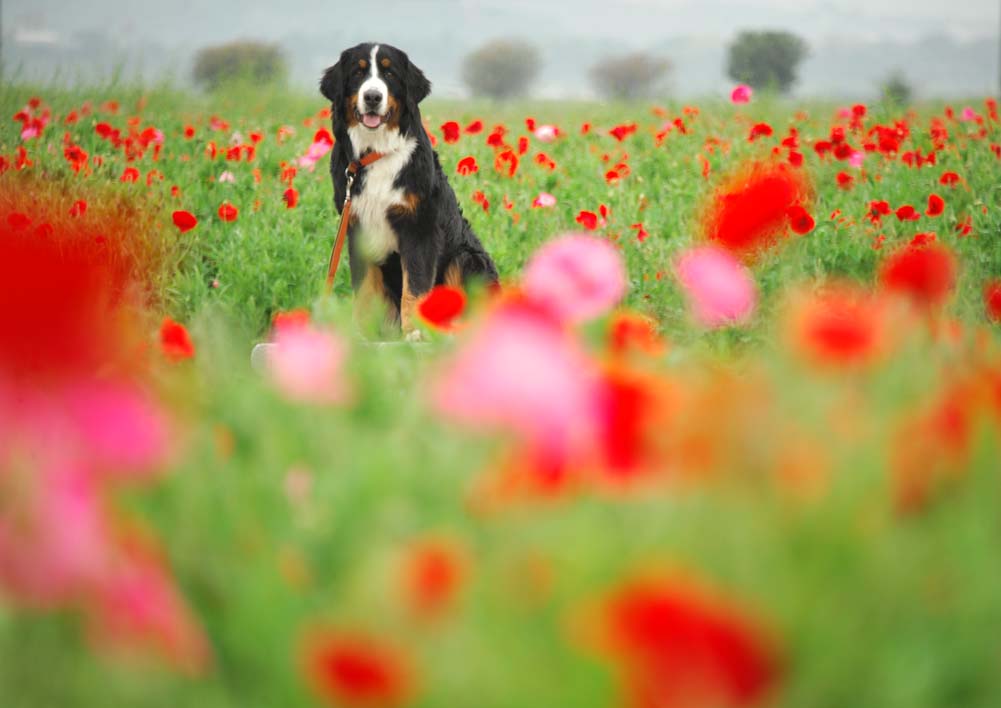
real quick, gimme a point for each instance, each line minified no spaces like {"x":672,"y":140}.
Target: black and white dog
{"x":407,"y":232}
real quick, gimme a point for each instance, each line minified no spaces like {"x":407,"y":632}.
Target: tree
{"x":896,"y":89}
{"x":247,"y":60}
{"x":629,"y":76}
{"x":501,"y":69}
{"x":766,"y":60}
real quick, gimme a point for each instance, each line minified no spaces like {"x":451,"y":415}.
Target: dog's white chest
{"x":375,"y":236}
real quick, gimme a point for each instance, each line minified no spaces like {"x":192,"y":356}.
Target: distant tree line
{"x":506,"y":68}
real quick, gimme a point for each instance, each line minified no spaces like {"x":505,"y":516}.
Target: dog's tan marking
{"x":453,"y":275}
{"x":349,"y":110}
{"x":363,"y":63}
{"x":409,"y":206}
{"x":371,"y":296}
{"x":385,"y":63}
{"x":408,"y":306}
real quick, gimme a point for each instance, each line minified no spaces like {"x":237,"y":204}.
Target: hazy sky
{"x":944,"y":47}
{"x":186,"y":20}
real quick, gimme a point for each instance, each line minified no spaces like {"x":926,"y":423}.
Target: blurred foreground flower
{"x":306,"y":364}
{"x":351,"y":669}
{"x":840,"y":327}
{"x":720,"y":290}
{"x":679,"y":645}
{"x":575,"y":277}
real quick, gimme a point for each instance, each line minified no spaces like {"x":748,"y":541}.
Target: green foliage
{"x":245,"y":61}
{"x":630,"y":76}
{"x":766,"y":60}
{"x":501,"y":69}
{"x":869,"y":608}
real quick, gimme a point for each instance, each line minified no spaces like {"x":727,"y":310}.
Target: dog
{"x":406,"y":231}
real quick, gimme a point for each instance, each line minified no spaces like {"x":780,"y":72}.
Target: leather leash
{"x":335,"y":256}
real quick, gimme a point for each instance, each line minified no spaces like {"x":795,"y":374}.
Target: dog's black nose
{"x":372,"y":98}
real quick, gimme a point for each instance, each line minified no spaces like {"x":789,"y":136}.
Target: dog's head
{"x":374,"y":86}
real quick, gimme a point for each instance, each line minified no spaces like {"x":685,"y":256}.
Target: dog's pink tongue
{"x":371,"y":120}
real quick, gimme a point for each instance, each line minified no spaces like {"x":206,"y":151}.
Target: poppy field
{"x":727,"y":434}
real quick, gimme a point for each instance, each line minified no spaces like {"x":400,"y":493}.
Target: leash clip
{"x":351,"y":180}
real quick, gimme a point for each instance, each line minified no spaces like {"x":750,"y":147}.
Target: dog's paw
{"x":414,"y":336}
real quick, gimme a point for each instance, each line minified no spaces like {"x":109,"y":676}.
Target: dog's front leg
{"x":417,"y":261}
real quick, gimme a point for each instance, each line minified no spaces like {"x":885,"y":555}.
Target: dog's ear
{"x":332,"y":85}
{"x":418,"y":86}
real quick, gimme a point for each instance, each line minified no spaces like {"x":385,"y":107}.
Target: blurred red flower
{"x":184,"y":220}
{"x":949,"y":179}
{"x":680,"y":645}
{"x":925,"y":273}
{"x":587,"y":219}
{"x":79,"y":208}
{"x":907,"y":213}
{"x":351,"y":669}
{"x":291,"y":197}
{"x":843,"y":326}
{"x":467,"y":166}
{"x":175,"y":342}
{"x":621,"y":132}
{"x":450,"y":132}
{"x":228,"y":212}
{"x":936,"y":206}
{"x":475,"y":127}
{"x":992,"y":300}
{"x":800,"y":220}
{"x":440,"y":307}
{"x":760,"y":130}
{"x":433,"y":572}
{"x":750,"y":210}
{"x":130,"y":174}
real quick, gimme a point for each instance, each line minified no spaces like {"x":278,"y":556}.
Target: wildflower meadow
{"x":726,"y":435}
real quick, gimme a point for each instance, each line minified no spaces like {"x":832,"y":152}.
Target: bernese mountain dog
{"x":406,"y":231}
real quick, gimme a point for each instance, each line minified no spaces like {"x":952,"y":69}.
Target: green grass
{"x":870,"y":607}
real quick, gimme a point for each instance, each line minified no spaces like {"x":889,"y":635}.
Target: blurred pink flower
{"x":227,"y":176}
{"x":968,"y":114}
{"x":857,"y":159}
{"x":742,"y":94}
{"x":575,"y":277}
{"x":306,"y":364}
{"x":720,"y":290}
{"x":546,"y":133}
{"x":52,"y":540}
{"x":544,"y":200}
{"x":316,"y":151}
{"x":520,"y":371}
{"x":119,"y":429}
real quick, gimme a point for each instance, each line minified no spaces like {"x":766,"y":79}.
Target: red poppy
{"x":845,"y":181}
{"x":587,"y":219}
{"x":508,"y":158}
{"x":760,"y":130}
{"x":79,"y":208}
{"x":76,"y":156}
{"x":936,"y":206}
{"x":441,"y":306}
{"x":228,"y":212}
{"x":475,"y":127}
{"x":432,"y":577}
{"x":184,"y":220}
{"x":641,"y":233}
{"x":841,"y":327}
{"x":291,"y":197}
{"x":291,"y":319}
{"x":450,"y":132}
{"x":680,"y":645}
{"x":949,"y":179}
{"x":795,"y":158}
{"x":621,"y":132}
{"x":750,"y":211}
{"x":927,"y":274}
{"x":355,"y":670}
{"x":130,"y":174}
{"x":496,"y":137}
{"x":175,"y":342}
{"x":907,"y":213}
{"x":18,"y":221}
{"x":800,"y":220}
{"x":631,"y":331}
{"x":879,"y":209}
{"x":467,"y":166}
{"x":481,"y":199}
{"x":992,"y":300}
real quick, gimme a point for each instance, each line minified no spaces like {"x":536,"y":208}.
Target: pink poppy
{"x":575,"y":277}
{"x":306,"y":365}
{"x":742,"y":94}
{"x":544,"y":200}
{"x":720,"y":290}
